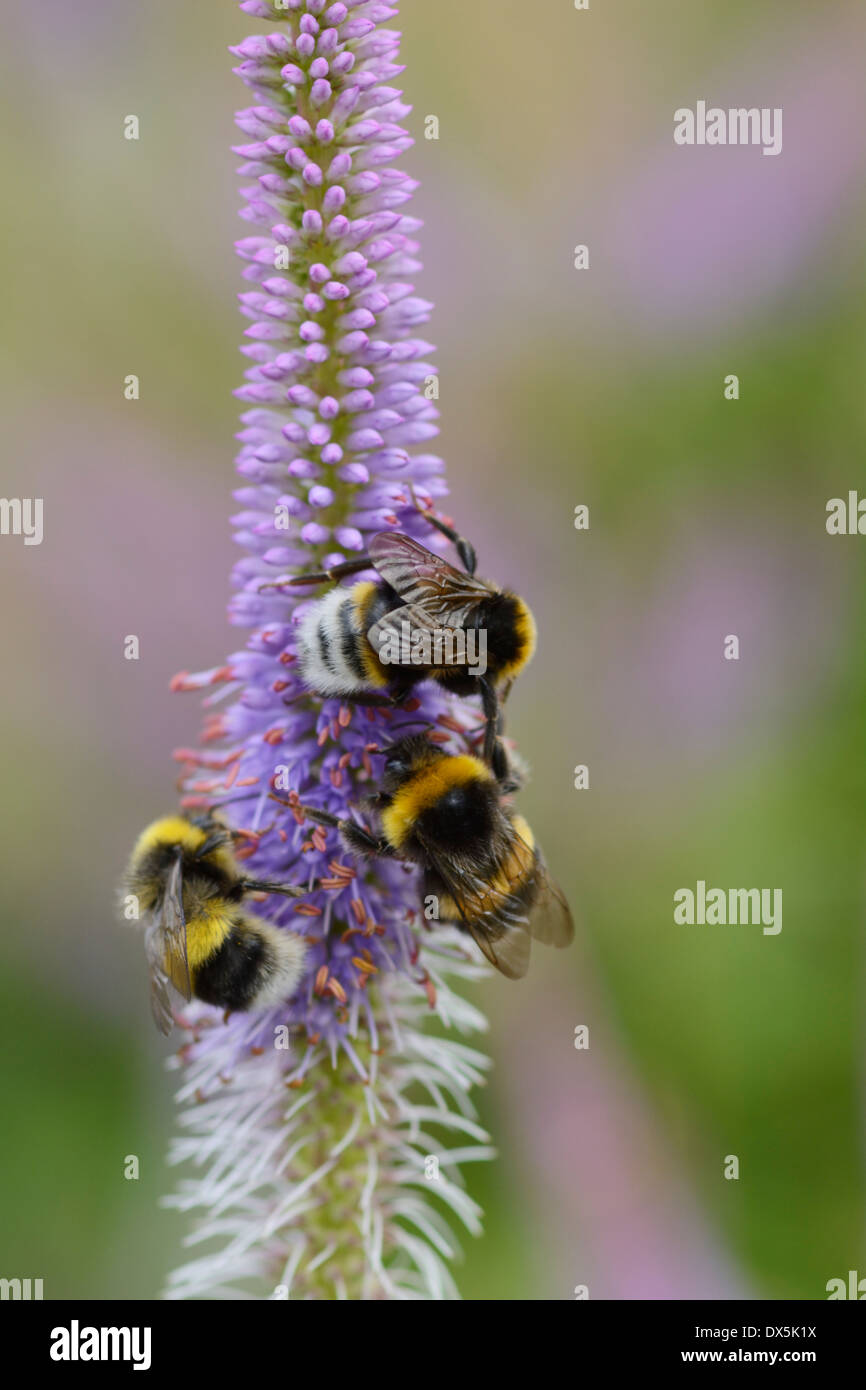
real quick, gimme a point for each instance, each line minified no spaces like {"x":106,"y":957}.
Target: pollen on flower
{"x":184,"y":681}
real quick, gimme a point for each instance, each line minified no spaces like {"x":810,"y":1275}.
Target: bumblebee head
{"x":215,"y":833}
{"x":171,"y":832}
{"x":405,"y":758}
{"x":199,"y":838}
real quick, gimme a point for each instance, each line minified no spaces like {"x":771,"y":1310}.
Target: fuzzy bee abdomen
{"x":255,"y":966}
{"x":335,"y":657}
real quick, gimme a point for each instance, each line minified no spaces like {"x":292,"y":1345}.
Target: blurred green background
{"x":558,"y":387}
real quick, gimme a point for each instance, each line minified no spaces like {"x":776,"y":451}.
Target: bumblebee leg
{"x":362,"y":562}
{"x":355,"y":837}
{"x":288,"y":890}
{"x":494,"y":749}
{"x":322,"y":817}
{"x":362,"y":842}
{"x":374,"y":699}
{"x":465,"y":549}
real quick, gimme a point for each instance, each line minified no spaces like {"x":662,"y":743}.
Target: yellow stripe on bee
{"x":524,"y":831}
{"x":505,"y":884}
{"x":170,"y":830}
{"x":362,"y":596}
{"x":206,"y":932}
{"x":527,"y":633}
{"x":514,"y":872}
{"x":177,"y":830}
{"x":424,"y":788}
{"x":448,"y":909}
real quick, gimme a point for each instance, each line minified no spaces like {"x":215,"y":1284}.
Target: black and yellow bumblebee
{"x":418,"y":597}
{"x":482,"y":867}
{"x":200,"y":938}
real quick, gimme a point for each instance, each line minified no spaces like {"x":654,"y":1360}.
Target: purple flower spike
{"x":307,"y":1127}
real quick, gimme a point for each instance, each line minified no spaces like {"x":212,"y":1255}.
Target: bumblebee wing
{"x":174,"y":932}
{"x":390,"y":627}
{"x":550,"y":920}
{"x":425,"y":580}
{"x":160,"y":996}
{"x":509,"y":954}
{"x":501,"y":931}
{"x":165,"y":944}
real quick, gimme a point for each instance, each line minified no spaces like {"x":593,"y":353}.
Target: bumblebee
{"x":199,"y":937}
{"x":482,"y":866}
{"x":434,"y":622}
